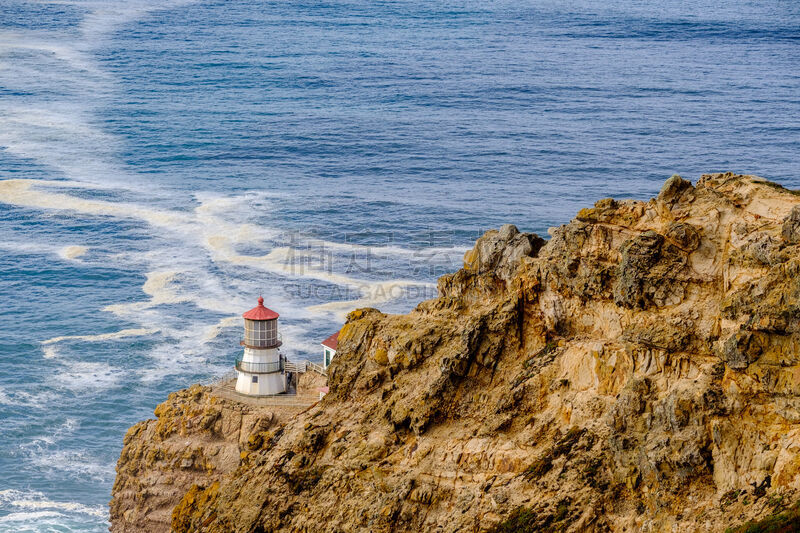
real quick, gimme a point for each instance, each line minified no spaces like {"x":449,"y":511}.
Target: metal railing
{"x":317,"y":368}
{"x":228,"y":376}
{"x":283,"y":366}
{"x":304,"y":366}
{"x":259,"y":368}
{"x":296,"y":366}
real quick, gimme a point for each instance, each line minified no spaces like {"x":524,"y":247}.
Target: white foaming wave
{"x":62,"y":137}
{"x":296,"y":344}
{"x":49,"y":352}
{"x":72,"y":252}
{"x":26,"y":518}
{"x":292,"y":261}
{"x":213,"y":204}
{"x":278,"y":261}
{"x":164,"y":288}
{"x":63,"y":121}
{"x":192,"y":284}
{"x":39,"y":400}
{"x":192,"y":349}
{"x":21,"y":247}
{"x":215,"y":330}
{"x":67,"y":427}
{"x":83,"y":376}
{"x":425,"y":253}
{"x":44,"y":452}
{"x":197,"y":225}
{"x":29,"y":193}
{"x":158,"y":287}
{"x":52,"y":46}
{"x":190,"y":341}
{"x":226,"y":236}
{"x":42,"y":507}
{"x":76,"y":464}
{"x":63,"y":134}
{"x":374,"y":295}
{"x":212,"y":218}
{"x":104,"y":19}
{"x":5,"y":399}
{"x":67,"y":253}
{"x":122,"y":334}
{"x":68,"y":184}
{"x":49,"y":522}
{"x":281,"y":261}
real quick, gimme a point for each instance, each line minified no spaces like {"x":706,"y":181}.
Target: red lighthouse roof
{"x":260,"y":312}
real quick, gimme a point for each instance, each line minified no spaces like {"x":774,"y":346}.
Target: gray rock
{"x":764,"y":250}
{"x":791,"y":226}
{"x":742,"y":348}
{"x":684,"y":235}
{"x":500,"y":251}
{"x":673,"y":188}
{"x":650,"y":273}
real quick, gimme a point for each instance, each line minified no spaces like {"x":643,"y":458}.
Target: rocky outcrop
{"x":197,"y":439}
{"x":499,"y":252}
{"x":638,"y":372}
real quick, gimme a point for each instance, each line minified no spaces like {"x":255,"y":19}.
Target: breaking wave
{"x":33,"y":506}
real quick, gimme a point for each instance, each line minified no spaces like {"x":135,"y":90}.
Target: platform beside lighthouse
{"x":303,"y":392}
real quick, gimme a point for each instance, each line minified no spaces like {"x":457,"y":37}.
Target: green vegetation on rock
{"x":784,"y":522}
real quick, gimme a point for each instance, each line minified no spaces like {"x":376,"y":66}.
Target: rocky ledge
{"x":640,"y":371}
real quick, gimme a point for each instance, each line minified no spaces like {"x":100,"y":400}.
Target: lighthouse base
{"x":260,"y":384}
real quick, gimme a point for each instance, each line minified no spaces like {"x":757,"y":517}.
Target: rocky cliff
{"x":640,"y":371}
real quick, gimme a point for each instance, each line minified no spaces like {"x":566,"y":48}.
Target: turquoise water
{"x":172,"y":160}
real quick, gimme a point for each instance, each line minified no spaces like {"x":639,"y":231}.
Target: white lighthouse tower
{"x":261,"y":369}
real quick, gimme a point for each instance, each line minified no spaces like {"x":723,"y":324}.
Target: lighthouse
{"x":261,"y":369}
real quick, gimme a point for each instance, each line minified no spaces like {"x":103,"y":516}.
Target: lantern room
{"x":261,"y":371}
{"x":261,"y":327}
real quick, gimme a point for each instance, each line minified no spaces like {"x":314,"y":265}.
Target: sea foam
{"x":38,"y":503}
{"x":116,"y":335}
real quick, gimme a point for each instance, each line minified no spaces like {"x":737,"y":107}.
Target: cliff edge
{"x":640,"y":371}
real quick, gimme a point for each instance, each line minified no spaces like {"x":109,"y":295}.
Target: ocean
{"x":164,"y":163}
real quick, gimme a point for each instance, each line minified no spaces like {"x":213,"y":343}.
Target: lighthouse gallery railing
{"x":259,"y":368}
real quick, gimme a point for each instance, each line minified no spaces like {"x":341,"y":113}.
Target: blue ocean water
{"x":164,"y":162}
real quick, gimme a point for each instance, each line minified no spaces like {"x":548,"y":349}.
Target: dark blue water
{"x":163,"y":163}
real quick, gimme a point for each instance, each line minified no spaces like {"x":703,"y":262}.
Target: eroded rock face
{"x":791,"y":226}
{"x":196,"y":440}
{"x":499,"y":252}
{"x":651,"y":272}
{"x":638,"y":372}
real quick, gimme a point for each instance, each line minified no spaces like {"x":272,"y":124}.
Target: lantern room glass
{"x":261,"y":333}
